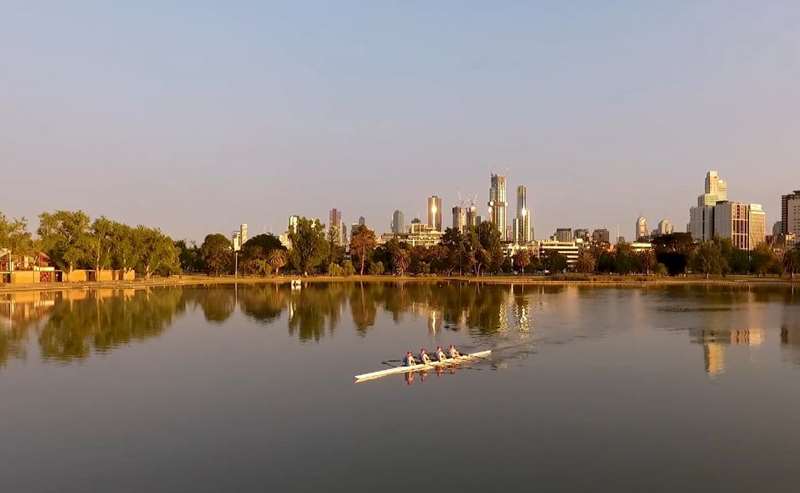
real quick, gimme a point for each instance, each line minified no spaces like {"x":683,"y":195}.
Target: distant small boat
{"x":423,"y":366}
{"x":297,"y":284}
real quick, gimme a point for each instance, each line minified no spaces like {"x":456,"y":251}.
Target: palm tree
{"x":277,"y":259}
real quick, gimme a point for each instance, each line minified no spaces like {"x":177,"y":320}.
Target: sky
{"x":197,"y":116}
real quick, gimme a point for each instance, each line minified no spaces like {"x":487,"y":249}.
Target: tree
{"x":376,"y":268}
{"x":216,"y":253}
{"x":763,"y":260}
{"x":348,"y":269}
{"x":124,"y":253}
{"x":401,"y":258}
{"x":157,"y":252}
{"x":277,"y":259}
{"x":189,"y":256}
{"x":707,"y":259}
{"x":554,"y":261}
{"x":255,"y":253}
{"x":791,"y":261}
{"x":309,"y":247}
{"x":647,"y":261}
{"x":673,"y":250}
{"x":64,"y":237}
{"x":625,"y":260}
{"x":101,"y":243}
{"x":485,"y":242}
{"x":522,"y":259}
{"x":586,"y":262}
{"x":362,"y":242}
{"x":14,"y":235}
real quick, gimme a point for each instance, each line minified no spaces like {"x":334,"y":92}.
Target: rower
{"x":453,"y":352}
{"x":423,"y":357}
{"x":409,"y":359}
{"x":440,"y":354}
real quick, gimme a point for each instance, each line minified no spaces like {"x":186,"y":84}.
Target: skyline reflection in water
{"x":73,"y":324}
{"x":131,"y":390}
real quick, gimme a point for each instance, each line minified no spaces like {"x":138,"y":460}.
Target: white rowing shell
{"x":432,"y":364}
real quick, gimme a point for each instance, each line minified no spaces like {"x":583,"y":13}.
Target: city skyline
{"x":203,"y":125}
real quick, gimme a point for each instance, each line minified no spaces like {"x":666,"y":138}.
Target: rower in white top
{"x":424,"y":359}
{"x":440,"y":356}
{"x":409,"y":360}
{"x":453,"y":352}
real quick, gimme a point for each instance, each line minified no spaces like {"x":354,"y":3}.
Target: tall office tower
{"x":459,"y":218}
{"x":641,"y":228}
{"x":362,"y":221}
{"x":473,"y":219}
{"x":522,"y":221}
{"x":335,"y":230}
{"x":743,"y":224}
{"x":435,"y":213}
{"x":664,"y":227}
{"x":563,"y":234}
{"x":790,"y":214}
{"x":701,"y":217}
{"x":498,"y":204}
{"x":243,"y":233}
{"x":293,"y":221}
{"x":398,"y":222}
{"x":601,"y":235}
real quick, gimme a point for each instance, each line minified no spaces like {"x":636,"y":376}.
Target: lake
{"x":209,"y":389}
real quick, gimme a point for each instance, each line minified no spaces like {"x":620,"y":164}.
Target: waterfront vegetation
{"x":73,"y":241}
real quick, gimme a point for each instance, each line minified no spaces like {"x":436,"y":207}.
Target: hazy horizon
{"x":195,"y":118}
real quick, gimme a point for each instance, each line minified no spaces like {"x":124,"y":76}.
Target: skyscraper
{"x":362,"y":221}
{"x":335,"y":230}
{"x":790,"y":214}
{"x":641,"y":228}
{"x":744,"y":224}
{"x":522,"y":221}
{"x":701,"y":217}
{"x":459,"y":218}
{"x":664,"y":227}
{"x":472,"y":216}
{"x":498,"y":204}
{"x":243,"y":233}
{"x":398,"y":222}
{"x":435,"y":212}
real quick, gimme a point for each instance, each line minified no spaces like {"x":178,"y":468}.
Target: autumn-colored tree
{"x":362,"y":242}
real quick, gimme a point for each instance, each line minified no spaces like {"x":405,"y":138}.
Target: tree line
{"x":72,"y":240}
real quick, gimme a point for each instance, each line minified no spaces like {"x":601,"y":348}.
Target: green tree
{"x":486,"y":243}
{"x":157,"y":252}
{"x":376,"y":268}
{"x":64,"y":237}
{"x":707,"y":259}
{"x":554,"y":261}
{"x":348,"y":269}
{"x":189,"y":256}
{"x":124,"y":253}
{"x":401,"y":258}
{"x":362,"y":243}
{"x":791,"y":261}
{"x":100,"y":243}
{"x":764,"y":261}
{"x":647,"y":261}
{"x":217,"y":254}
{"x":14,"y":235}
{"x":309,"y":247}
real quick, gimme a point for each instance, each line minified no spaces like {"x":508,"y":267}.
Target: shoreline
{"x":594,"y":281}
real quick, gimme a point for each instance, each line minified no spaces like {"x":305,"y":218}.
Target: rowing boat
{"x":422,"y":366}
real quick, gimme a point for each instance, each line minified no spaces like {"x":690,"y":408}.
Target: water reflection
{"x":71,"y":325}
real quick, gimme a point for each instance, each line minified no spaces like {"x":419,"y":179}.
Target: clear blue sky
{"x":196,"y":116}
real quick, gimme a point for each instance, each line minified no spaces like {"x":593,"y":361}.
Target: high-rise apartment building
{"x":335,"y":227}
{"x":459,"y":218}
{"x":522,"y":220}
{"x":398,"y":222}
{"x":790,"y":214}
{"x":435,"y":212}
{"x":498,"y":204}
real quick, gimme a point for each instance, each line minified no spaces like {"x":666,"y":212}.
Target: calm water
{"x":251,"y":389}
